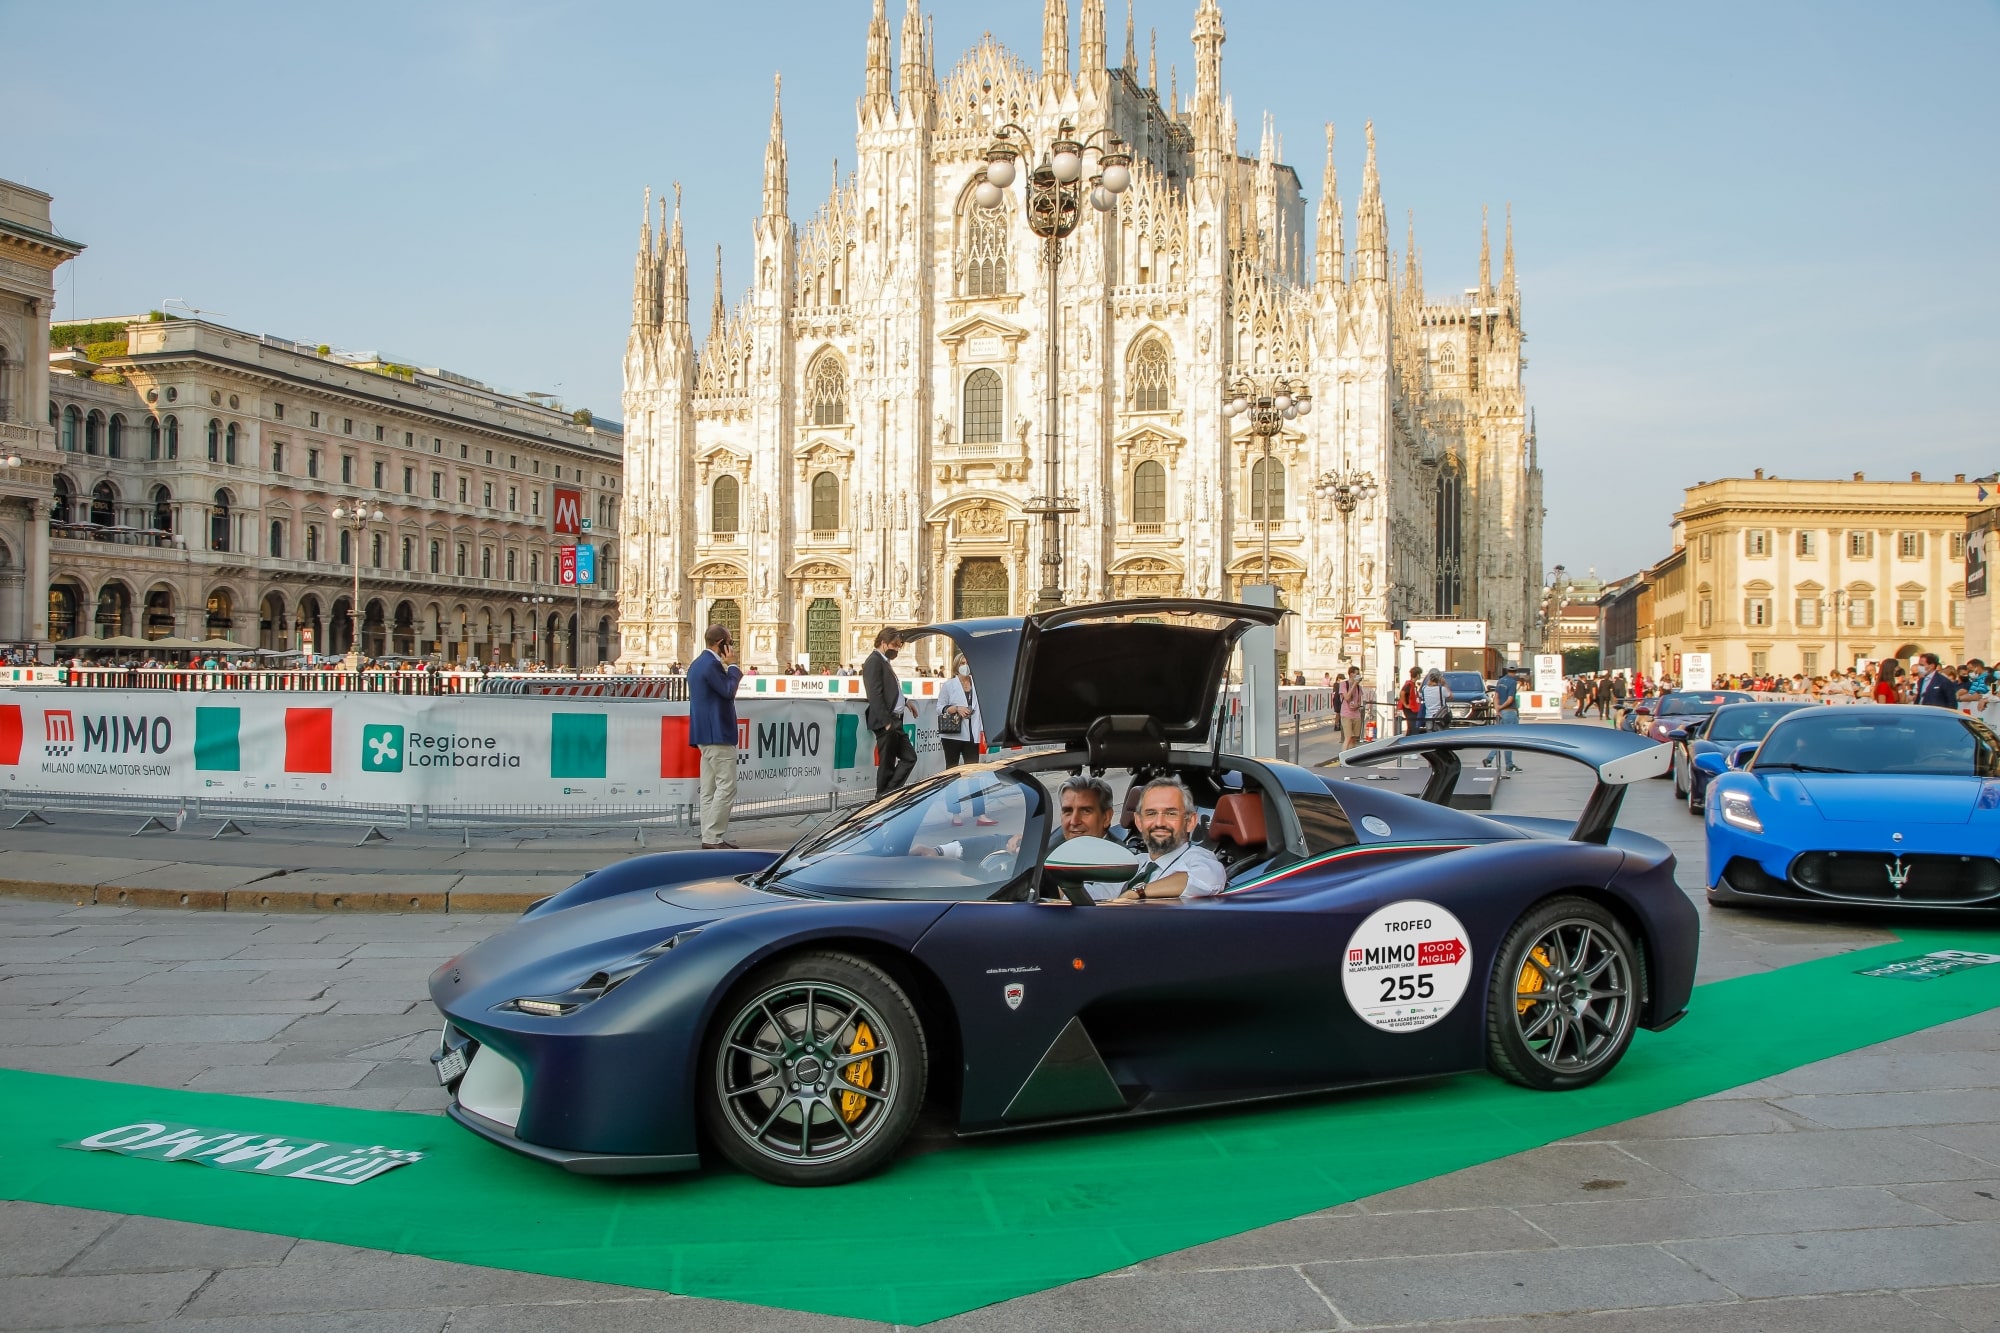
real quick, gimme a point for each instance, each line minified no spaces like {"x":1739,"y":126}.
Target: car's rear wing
{"x":1619,"y":758}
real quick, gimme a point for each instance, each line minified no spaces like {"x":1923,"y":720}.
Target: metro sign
{"x":1352,"y":625}
{"x":568,"y":511}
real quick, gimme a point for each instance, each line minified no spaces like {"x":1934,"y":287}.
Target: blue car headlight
{"x":599,"y":983}
{"x":1738,"y":811}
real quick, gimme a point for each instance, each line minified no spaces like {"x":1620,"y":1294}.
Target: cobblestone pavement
{"x":1862,"y":1192}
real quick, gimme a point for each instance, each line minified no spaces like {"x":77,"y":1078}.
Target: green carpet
{"x":980,"y":1222}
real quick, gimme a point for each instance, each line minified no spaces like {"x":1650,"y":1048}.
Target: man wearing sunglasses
{"x":712,"y":680}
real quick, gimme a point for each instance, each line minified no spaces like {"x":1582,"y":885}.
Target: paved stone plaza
{"x":1861,"y":1192}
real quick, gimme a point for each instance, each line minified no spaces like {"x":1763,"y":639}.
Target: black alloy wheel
{"x":815,"y":1072}
{"x":1565,"y":996}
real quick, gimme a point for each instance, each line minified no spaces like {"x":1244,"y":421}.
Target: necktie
{"x":1143,"y":877}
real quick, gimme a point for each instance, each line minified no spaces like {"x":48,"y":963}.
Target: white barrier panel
{"x":450,"y":751}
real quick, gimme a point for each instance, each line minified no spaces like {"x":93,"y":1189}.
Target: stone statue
{"x":902,"y":579}
{"x":1021,"y":428}
{"x":943,"y":431}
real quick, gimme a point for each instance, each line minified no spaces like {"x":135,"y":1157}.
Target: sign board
{"x":586,"y":525}
{"x":1697,"y":671}
{"x":1446,"y":633}
{"x":308,"y":640}
{"x":566,"y":566}
{"x":1350,"y":626}
{"x":585,"y":561}
{"x":1548,"y":673}
{"x":568,"y":516}
{"x":259,"y":1154}
{"x":1975,"y":570}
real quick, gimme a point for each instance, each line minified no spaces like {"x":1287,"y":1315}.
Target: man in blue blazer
{"x":712,"y":680}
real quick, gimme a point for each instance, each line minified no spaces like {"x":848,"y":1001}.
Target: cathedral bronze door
{"x":823,"y":634}
{"x":979,"y":589}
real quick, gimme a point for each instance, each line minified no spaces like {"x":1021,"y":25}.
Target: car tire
{"x":1565,"y":995}
{"x":1681,"y":787}
{"x":821,"y":1111}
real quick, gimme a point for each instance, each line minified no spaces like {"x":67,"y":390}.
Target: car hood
{"x":1046,"y":678}
{"x":1890,"y":797}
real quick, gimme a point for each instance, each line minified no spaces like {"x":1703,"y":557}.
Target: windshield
{"x":1867,"y":740}
{"x":1465,"y":684}
{"x":1747,"y":722}
{"x":958,"y":836}
{"x":1688,"y":705}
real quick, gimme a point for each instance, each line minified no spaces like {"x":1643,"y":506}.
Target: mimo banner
{"x":411,"y":750}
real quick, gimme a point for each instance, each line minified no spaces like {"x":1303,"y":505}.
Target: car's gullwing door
{"x":1045,"y":679}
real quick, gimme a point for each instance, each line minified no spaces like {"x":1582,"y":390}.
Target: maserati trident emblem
{"x":1899,"y":875}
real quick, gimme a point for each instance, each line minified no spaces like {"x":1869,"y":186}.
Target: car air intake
{"x":1884,"y":877}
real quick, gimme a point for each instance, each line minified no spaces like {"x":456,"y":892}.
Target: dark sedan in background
{"x":1677,"y":708}
{"x":1702,"y":747}
{"x":1470,"y":704}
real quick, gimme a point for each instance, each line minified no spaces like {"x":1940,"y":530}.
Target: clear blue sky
{"x":1749,"y":235}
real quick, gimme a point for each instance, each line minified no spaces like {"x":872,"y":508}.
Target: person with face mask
{"x":895,"y":757}
{"x":960,"y":724}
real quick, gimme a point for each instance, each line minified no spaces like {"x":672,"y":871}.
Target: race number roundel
{"x":1406,"y":966}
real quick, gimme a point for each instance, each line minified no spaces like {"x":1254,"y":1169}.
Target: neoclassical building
{"x":190,"y":473}
{"x":859,"y":438}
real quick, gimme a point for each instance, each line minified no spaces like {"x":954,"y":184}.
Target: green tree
{"x":1580,"y":661}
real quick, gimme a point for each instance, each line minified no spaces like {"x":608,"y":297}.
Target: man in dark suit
{"x":1935,"y":688}
{"x":712,"y":680}
{"x":895,"y":757}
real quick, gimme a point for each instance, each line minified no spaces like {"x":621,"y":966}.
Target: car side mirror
{"x":1711,"y":763}
{"x":1740,"y":756}
{"x":1678,"y":734}
{"x":1077,"y":860}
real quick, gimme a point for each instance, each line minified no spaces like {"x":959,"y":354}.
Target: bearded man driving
{"x":1174,"y":867}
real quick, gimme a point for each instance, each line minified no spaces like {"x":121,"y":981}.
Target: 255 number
{"x":1407,"y":986}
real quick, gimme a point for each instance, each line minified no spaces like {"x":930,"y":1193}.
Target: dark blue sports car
{"x":793,"y":1013}
{"x":1703,"y":745}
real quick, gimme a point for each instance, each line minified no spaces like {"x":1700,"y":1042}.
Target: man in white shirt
{"x":1174,"y":867}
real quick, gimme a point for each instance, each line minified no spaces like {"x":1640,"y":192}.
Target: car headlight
{"x":1738,"y":811}
{"x":598,"y":984}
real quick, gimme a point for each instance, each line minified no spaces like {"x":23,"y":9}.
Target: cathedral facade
{"x":860,"y":439}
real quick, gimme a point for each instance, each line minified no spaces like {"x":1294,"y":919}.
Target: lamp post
{"x":1055,"y":189}
{"x":354,"y":515}
{"x":1833,"y":602}
{"x":1269,"y":403}
{"x":536,"y":599}
{"x":1345,"y":489}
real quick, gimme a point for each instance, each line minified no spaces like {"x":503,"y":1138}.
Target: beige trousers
{"x":718,"y":790}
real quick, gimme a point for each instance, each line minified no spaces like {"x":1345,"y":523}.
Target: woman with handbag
{"x":1437,"y":701}
{"x":960,"y":728}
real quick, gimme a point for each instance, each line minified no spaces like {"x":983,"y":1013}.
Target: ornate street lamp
{"x":1345,"y":489}
{"x":538,"y":599}
{"x":1056,"y":192}
{"x":354,"y":516}
{"x":1270,"y":403}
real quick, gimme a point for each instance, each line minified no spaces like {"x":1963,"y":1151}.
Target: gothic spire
{"x":917,"y":78}
{"x":1371,"y":239}
{"x":1208,"y":130}
{"x":876,"y":97}
{"x":1131,"y":42}
{"x":674,"y":306}
{"x":775,"y":204}
{"x":1090,"y":39}
{"x":1507,"y":257}
{"x":1330,"y":246}
{"x":645,"y":290}
{"x":1485,"y":260}
{"x":717,"y":315}
{"x":1055,"y":43}
{"x":1153,"y":60}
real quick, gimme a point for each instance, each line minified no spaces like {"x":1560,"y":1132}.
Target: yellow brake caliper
{"x":861,"y":1075}
{"x":1532,"y":979}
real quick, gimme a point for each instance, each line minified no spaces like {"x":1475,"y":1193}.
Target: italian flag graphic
{"x":218,"y":740}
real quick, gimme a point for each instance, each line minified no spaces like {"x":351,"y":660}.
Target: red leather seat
{"x":1128,"y":814}
{"x":1238,"y":822}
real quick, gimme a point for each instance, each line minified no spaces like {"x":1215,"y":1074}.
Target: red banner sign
{"x":569,"y":512}
{"x":566,"y":565}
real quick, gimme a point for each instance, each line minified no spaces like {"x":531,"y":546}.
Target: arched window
{"x":163,"y":509}
{"x":825,"y":502}
{"x":229,"y":444}
{"x":173,"y":438}
{"x":214,"y":440}
{"x":984,"y":406}
{"x":114,"y":610}
{"x":726,"y":613}
{"x":103,"y":505}
{"x":72,"y":422}
{"x":1152,"y":377}
{"x":60,"y":505}
{"x":1448,"y":360}
{"x":114,"y":436}
{"x":219,"y":520}
{"x":153,"y":437}
{"x":221,"y":614}
{"x":722,"y":505}
{"x":62,"y":610}
{"x":93,"y":433}
{"x":985,"y":262}
{"x":159,"y":613}
{"x":823,"y":633}
{"x":278,"y":539}
{"x":826,"y":391}
{"x":1149,"y":493}
{"x":1267,"y":473}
